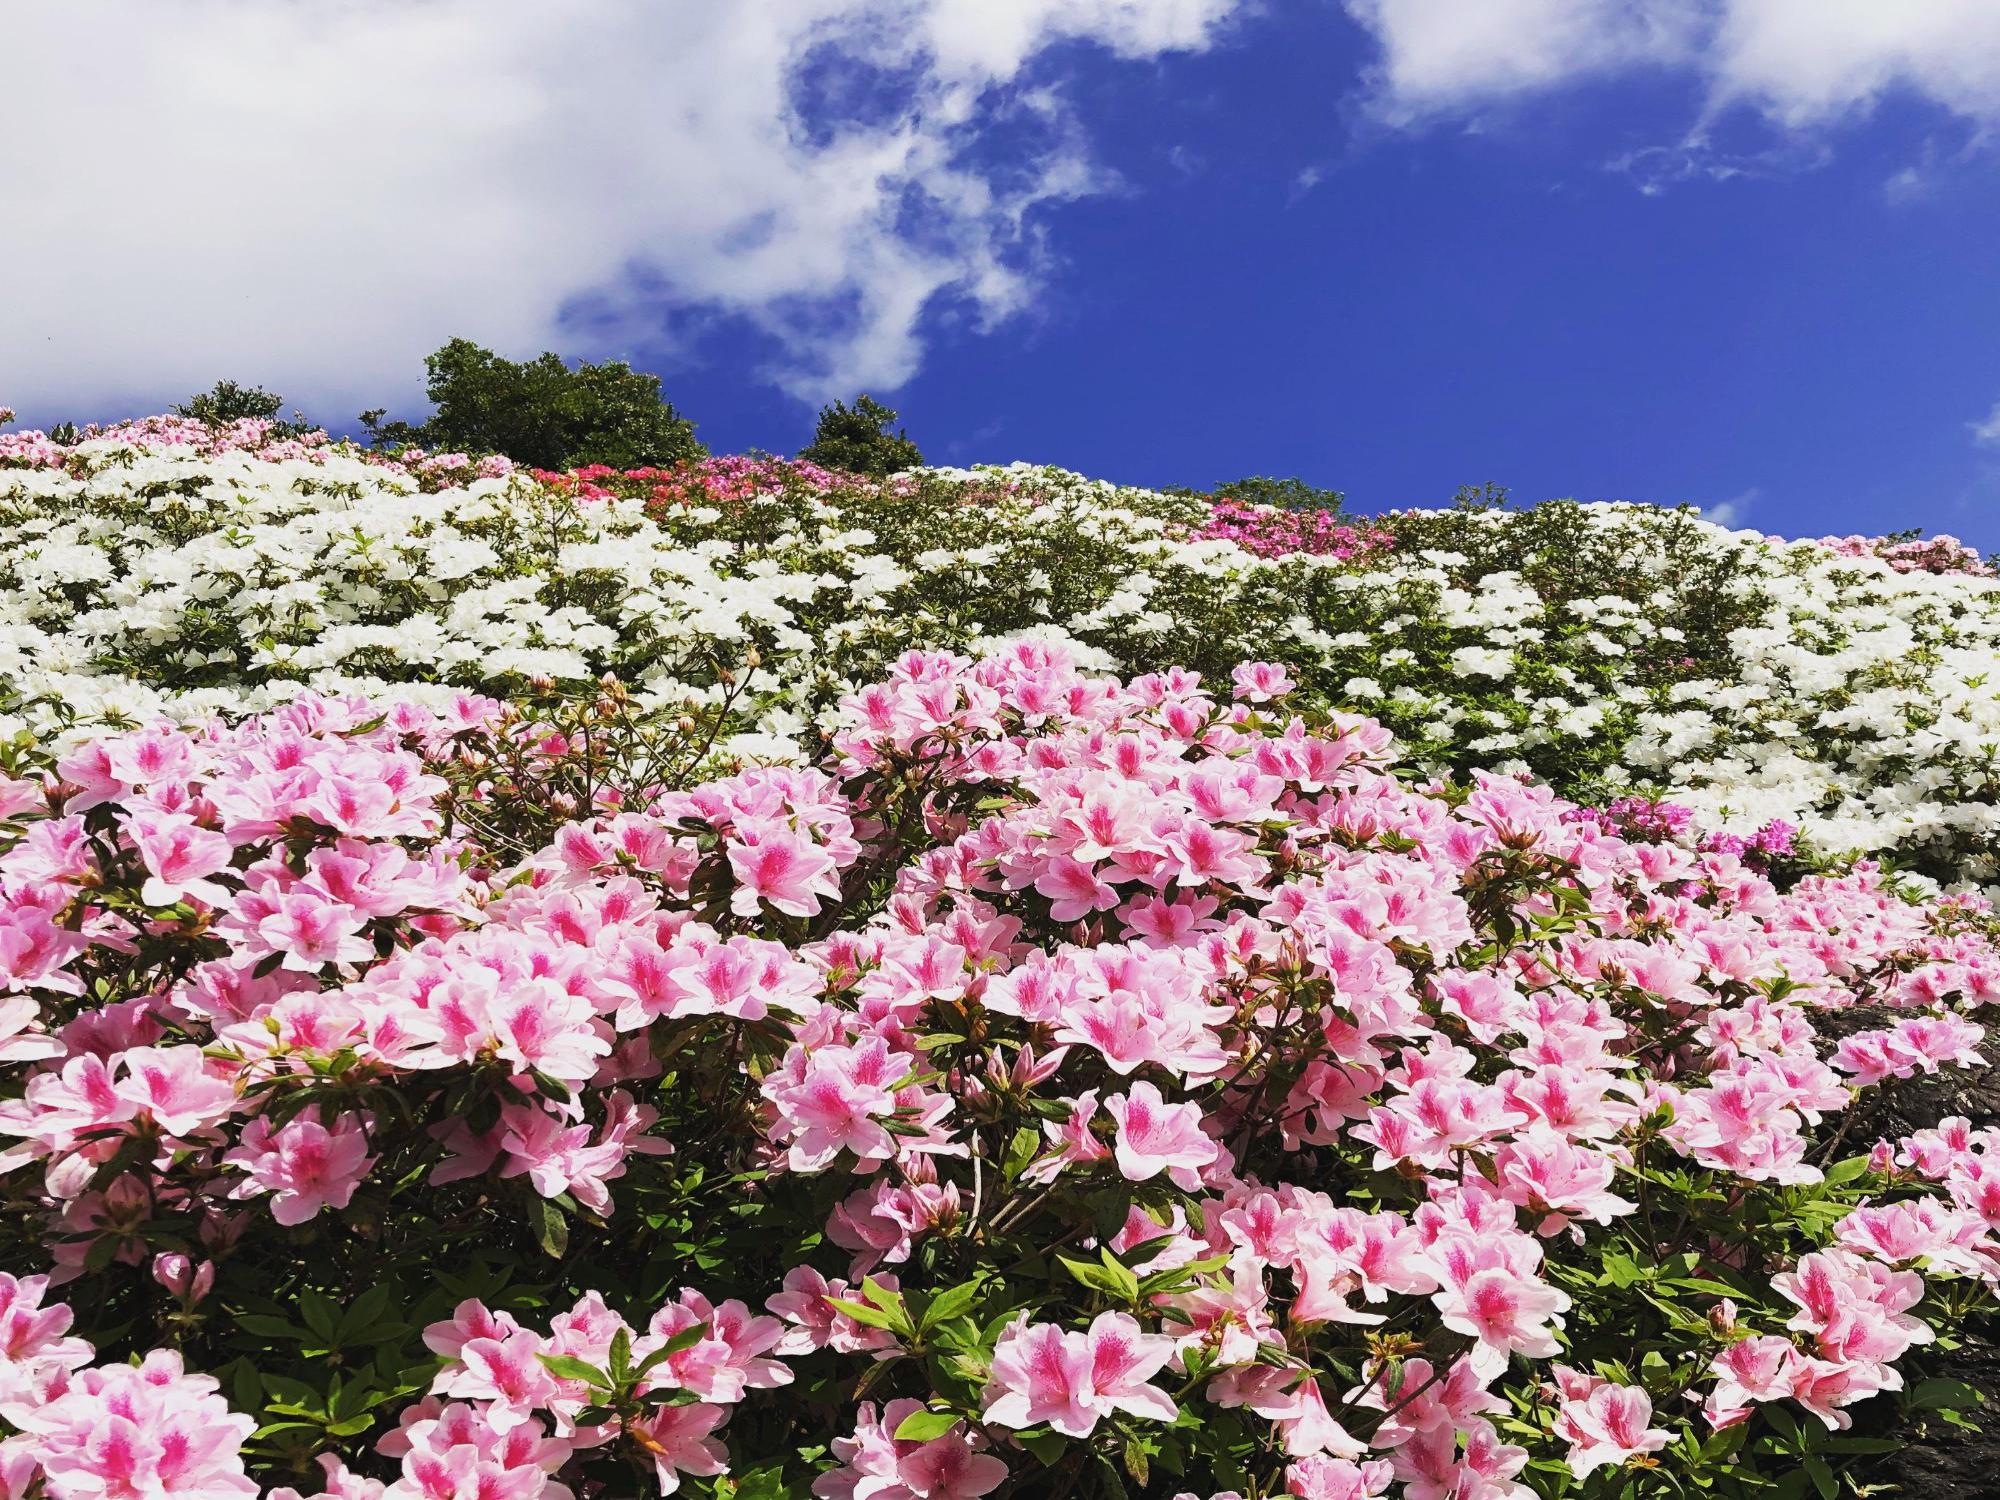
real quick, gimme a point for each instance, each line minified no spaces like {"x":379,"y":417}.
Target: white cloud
{"x":313,"y":195}
{"x":1801,"y":63}
{"x":1731,"y":512}
{"x":1987,"y":431}
{"x":1440,"y":58}
{"x":1808,"y":61}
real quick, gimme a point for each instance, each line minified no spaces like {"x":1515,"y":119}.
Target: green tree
{"x":857,"y":439}
{"x":1283,"y":494}
{"x":226,"y":402}
{"x":543,"y":412}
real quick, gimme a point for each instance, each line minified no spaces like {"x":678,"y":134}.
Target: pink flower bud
{"x":180,"y":1276}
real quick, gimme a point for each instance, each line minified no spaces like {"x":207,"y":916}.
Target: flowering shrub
{"x":1270,"y":532}
{"x":1913,"y":554}
{"x":250,"y":437}
{"x":1062,"y":1085}
{"x":1609,"y":650}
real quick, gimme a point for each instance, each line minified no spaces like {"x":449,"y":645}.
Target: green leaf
{"x":766,"y":1482}
{"x":1700,"y":1284}
{"x":950,"y":1303}
{"x":550,"y":1088}
{"x":365,"y":1311}
{"x":1822,"y":1477}
{"x":1785,"y":1422}
{"x":861,"y":1312}
{"x":246,"y":1389}
{"x":1048,"y":1447}
{"x":1022,"y":1149}
{"x":568,"y":1367}
{"x":891,"y":1302}
{"x":1620,"y":1269}
{"x":1098,"y":1279}
{"x":1938,"y":1394}
{"x":319,"y":1314}
{"x":1176,"y":1277}
{"x":551,"y":1229}
{"x":1135,"y":1460}
{"x":922,"y":1426}
{"x":1121,"y":1276}
{"x":687,"y":1338}
{"x":266,"y":1327}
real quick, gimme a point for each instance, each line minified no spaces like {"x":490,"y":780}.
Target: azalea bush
{"x":1057,"y":1085}
{"x":1841,"y":686}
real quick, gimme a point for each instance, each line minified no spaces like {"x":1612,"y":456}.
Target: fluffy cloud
{"x":1800,"y":62}
{"x":1445,"y":58}
{"x":313,"y":195}
{"x":1987,"y":431}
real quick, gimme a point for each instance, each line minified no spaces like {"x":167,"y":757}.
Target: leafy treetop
{"x":543,"y":412}
{"x":857,"y":439}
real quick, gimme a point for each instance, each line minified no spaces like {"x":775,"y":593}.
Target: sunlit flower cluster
{"x":1053,"y":1075}
{"x":1610,"y":650}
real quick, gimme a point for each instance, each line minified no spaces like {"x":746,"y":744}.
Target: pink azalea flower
{"x":1155,"y":1136}
{"x":179,"y":856}
{"x":785,"y":870}
{"x":876,"y":1465}
{"x":1322,"y":1478}
{"x":678,"y":1439}
{"x":1261,"y":681}
{"x":1607,"y":1425}
{"x":147,"y":1429}
{"x":176,"y":1087}
{"x":506,"y":1372}
{"x":1071,"y":1380}
{"x":303,"y":1165}
{"x":1505,"y":1310}
{"x":312,"y":932}
{"x":540,"y":1028}
{"x":1750,"y":1370}
{"x":833,"y":1099}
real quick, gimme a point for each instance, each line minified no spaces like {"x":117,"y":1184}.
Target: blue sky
{"x":1611,"y":249}
{"x":1500,"y":303}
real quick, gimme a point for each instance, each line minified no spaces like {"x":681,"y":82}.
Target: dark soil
{"x":1939,"y":1460}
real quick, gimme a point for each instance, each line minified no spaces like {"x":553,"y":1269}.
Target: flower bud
{"x":185,"y":1280}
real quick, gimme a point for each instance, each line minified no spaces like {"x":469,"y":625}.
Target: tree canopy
{"x":857,"y":439}
{"x":543,"y":412}
{"x":1283,"y":494}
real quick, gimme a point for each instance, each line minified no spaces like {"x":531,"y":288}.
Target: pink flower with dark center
{"x":1072,"y":1380}
{"x":176,"y":1086}
{"x":1505,"y":1311}
{"x":179,"y":856}
{"x":679,"y":1440}
{"x":777,"y":867}
{"x":1155,"y":1136}
{"x":303,"y":1165}
{"x":1607,"y":1425}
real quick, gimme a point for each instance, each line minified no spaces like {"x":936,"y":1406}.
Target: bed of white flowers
{"x":1604,"y":648}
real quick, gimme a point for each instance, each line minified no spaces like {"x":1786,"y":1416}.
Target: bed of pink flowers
{"x":1067,"y":1087}
{"x":728,"y":480}
{"x":250,"y":437}
{"x":1271,"y":532}
{"x":1942,"y":553}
